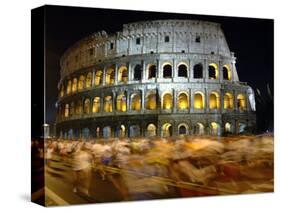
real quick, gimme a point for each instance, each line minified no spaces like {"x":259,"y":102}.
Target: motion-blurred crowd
{"x":141,"y":168}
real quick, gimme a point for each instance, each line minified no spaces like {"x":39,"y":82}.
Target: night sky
{"x":250,"y":39}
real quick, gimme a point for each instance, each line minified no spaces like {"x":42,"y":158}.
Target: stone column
{"x":115,"y":74}
{"x":128,"y":101}
{"x":174,"y":101}
{"x":159,"y":70}
{"x":142,"y":100}
{"x":143,"y":75}
{"x":174,"y":70}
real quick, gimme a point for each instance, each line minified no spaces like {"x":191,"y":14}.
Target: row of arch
{"x":166,"y":130}
{"x":122,"y":76}
{"x":124,"y":102}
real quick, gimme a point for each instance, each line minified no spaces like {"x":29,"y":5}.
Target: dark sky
{"x":250,"y":39}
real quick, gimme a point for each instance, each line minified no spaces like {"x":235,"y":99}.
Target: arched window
{"x":110,"y":75}
{"x":134,"y":131}
{"x":150,"y":101}
{"x":121,"y":103}
{"x":199,"y":100}
{"x":136,"y":102}
{"x":198,"y":71}
{"x":89,"y":80}
{"x":66,"y":111}
{"x":74,"y":85}
{"x":183,"y":101}
{"x":96,"y":105}
{"x":183,"y":129}
{"x":68,"y":89}
{"x":98,"y":132}
{"x":213,"y":71}
{"x":138,"y":72}
{"x":214,"y":101}
{"x":81,"y":82}
{"x":215,"y":128}
{"x":72,"y":109}
{"x":85,"y":133}
{"x":79,"y":107}
{"x":123,"y":74}
{"x":226,"y":72}
{"x":167,"y":71}
{"x":241,"y":102}
{"x":228,"y":101}
{"x":87,"y":104}
{"x":227,"y":127}
{"x":151,"y":130}
{"x":107,"y":132}
{"x":107,"y":107}
{"x":151,"y":71}
{"x":167,"y":101}
{"x":62,"y":91}
{"x":182,"y":71}
{"x":167,"y":130}
{"x":98,"y":77}
{"x":200,"y":129}
{"x":122,"y":131}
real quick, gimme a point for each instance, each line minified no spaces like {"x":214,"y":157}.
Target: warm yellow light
{"x":107,"y":104}
{"x":151,"y":102}
{"x":123,"y":74}
{"x":96,"y":105}
{"x":228,"y":101}
{"x":214,"y":101}
{"x":89,"y":80}
{"x":241,"y":101}
{"x":98,"y":78}
{"x":199,"y":101}
{"x":183,"y":102}
{"x":167,"y":101}
{"x":81,"y":82}
{"x":136,"y":102}
{"x":109,"y":78}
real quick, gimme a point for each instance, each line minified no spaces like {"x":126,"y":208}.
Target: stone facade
{"x":165,"y":78}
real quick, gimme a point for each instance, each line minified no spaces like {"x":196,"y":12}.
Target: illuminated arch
{"x":183,"y":101}
{"x":151,"y":101}
{"x":123,"y":74}
{"x":96,"y":105}
{"x":81,"y":82}
{"x":215,"y":128}
{"x":228,"y":127}
{"x":122,"y":131}
{"x":198,"y":71}
{"x":68,"y":88}
{"x":213,"y":71}
{"x":167,"y":101}
{"x":228,"y":101}
{"x":214,"y":100}
{"x":135,"y":102}
{"x":121,"y":103}
{"x":62,"y":91}
{"x":107,"y":107}
{"x":241,"y":102}
{"x":199,"y":100}
{"x":89,"y":79}
{"x":183,"y":129}
{"x":79,"y":107}
{"x":151,"y":130}
{"x":167,"y":130}
{"x":110,"y":76}
{"x":200,"y":129}
{"x":66,"y":111}
{"x":167,"y":70}
{"x":87,"y":106}
{"x":226,"y":72}
{"x":74,"y":84}
{"x":98,"y":77}
{"x":182,"y":70}
{"x":151,"y":69}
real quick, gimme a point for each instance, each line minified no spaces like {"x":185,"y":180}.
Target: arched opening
{"x":68,"y":89}
{"x":151,"y":130}
{"x":96,"y":105}
{"x":214,"y":101}
{"x":98,"y":132}
{"x":198,"y":71}
{"x":241,"y":127}
{"x":183,"y":101}
{"x":227,"y":127}
{"x":107,"y":104}
{"x":199,"y":129}
{"x":151,"y":71}
{"x":134,"y":131}
{"x":199,"y":100}
{"x":151,"y":101}
{"x":228,"y":101}
{"x":182,"y":71}
{"x":138,"y":72}
{"x":66,"y":111}
{"x":167,"y":101}
{"x":89,"y":80}
{"x":183,"y":129}
{"x":109,"y":77}
{"x":167,"y":130}
{"x":70,"y":134}
{"x":72,"y":109}
{"x":107,"y":133}
{"x":213,"y":71}
{"x":167,"y":71}
{"x":122,"y":131}
{"x":135,"y":102}
{"x":98,"y":77}
{"x":87,"y":105}
{"x":226,"y":72}
{"x":81,"y":82}
{"x":215,"y":128}
{"x":241,"y":102}
{"x":121,"y":103}
{"x":85,"y":133}
{"x":123,"y":74}
{"x":79,"y":107}
{"x":62,"y":91}
{"x":74,"y":85}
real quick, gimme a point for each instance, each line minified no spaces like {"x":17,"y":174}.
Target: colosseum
{"x":153,"y":78}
